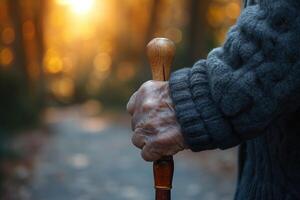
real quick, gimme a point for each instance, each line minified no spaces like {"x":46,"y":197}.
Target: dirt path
{"x":91,"y":158}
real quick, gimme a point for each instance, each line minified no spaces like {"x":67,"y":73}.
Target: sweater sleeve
{"x":243,"y":86}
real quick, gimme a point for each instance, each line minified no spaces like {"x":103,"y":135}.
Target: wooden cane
{"x":161,"y":53}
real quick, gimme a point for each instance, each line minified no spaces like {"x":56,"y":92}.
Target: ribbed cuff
{"x":203,"y":126}
{"x":192,"y":126}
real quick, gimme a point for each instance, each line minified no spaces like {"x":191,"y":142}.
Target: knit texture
{"x":247,"y":93}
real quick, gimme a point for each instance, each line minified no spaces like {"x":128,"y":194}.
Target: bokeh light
{"x":8,"y":35}
{"x":6,"y":56}
{"x":233,"y":10}
{"x":52,"y":62}
{"x":102,"y":62}
{"x":63,"y":88}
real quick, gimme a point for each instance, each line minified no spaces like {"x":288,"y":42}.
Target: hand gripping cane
{"x":161,"y":52}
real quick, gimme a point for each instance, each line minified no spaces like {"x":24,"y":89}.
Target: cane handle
{"x":161,"y":53}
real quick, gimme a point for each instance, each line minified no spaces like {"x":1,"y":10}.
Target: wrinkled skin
{"x":156,"y":130}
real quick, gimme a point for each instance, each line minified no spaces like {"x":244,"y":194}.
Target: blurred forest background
{"x":55,"y":54}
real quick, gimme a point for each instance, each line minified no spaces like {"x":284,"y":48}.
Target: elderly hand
{"x":156,"y":130}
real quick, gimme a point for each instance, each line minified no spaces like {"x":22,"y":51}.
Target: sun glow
{"x":78,"y":6}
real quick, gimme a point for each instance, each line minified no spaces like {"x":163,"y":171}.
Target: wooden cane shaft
{"x":163,"y":170}
{"x":161,"y":53}
{"x":163,"y":194}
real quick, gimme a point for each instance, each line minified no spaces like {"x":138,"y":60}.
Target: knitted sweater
{"x":247,"y":93}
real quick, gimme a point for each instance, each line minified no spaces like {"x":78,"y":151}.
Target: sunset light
{"x":78,"y":6}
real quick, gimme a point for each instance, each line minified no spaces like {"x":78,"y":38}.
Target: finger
{"x":138,"y":140}
{"x":141,"y":120}
{"x":150,"y":154}
{"x":131,"y":104}
{"x":137,"y":119}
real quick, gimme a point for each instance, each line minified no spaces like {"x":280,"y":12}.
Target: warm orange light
{"x":63,"y":88}
{"x":6,"y":56}
{"x":215,"y":15}
{"x":8,"y":35}
{"x":52,"y":62}
{"x":54,"y":65}
{"x":78,"y":6}
{"x":233,"y":10}
{"x":102,"y":62}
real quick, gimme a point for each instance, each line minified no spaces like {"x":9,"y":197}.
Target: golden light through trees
{"x":102,"y":62}
{"x":233,"y":10}
{"x":53,"y":62}
{"x":89,"y":41}
{"x":78,"y":6}
{"x":6,"y":56}
{"x":221,"y":15}
{"x":8,"y":35}
{"x":63,"y":88}
{"x":62,"y":52}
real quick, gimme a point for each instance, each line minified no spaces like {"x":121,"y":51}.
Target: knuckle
{"x":147,"y":84}
{"x":147,"y":156}
{"x":139,"y":130}
{"x":148,"y":159}
{"x":137,"y":141}
{"x":144,"y":130}
{"x":129,"y":108}
{"x":144,"y":155}
{"x":131,"y":103}
{"x":149,"y":104}
{"x":134,"y":139}
{"x":134,"y":123}
{"x":150,"y":152}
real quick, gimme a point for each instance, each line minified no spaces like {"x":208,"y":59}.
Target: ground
{"x":91,"y":158}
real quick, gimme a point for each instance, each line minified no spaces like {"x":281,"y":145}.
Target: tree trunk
{"x":197,"y":30}
{"x":153,"y":20}
{"x":18,"y":46}
{"x":40,"y":12}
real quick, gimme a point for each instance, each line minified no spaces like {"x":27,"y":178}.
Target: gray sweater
{"x":247,"y":93}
